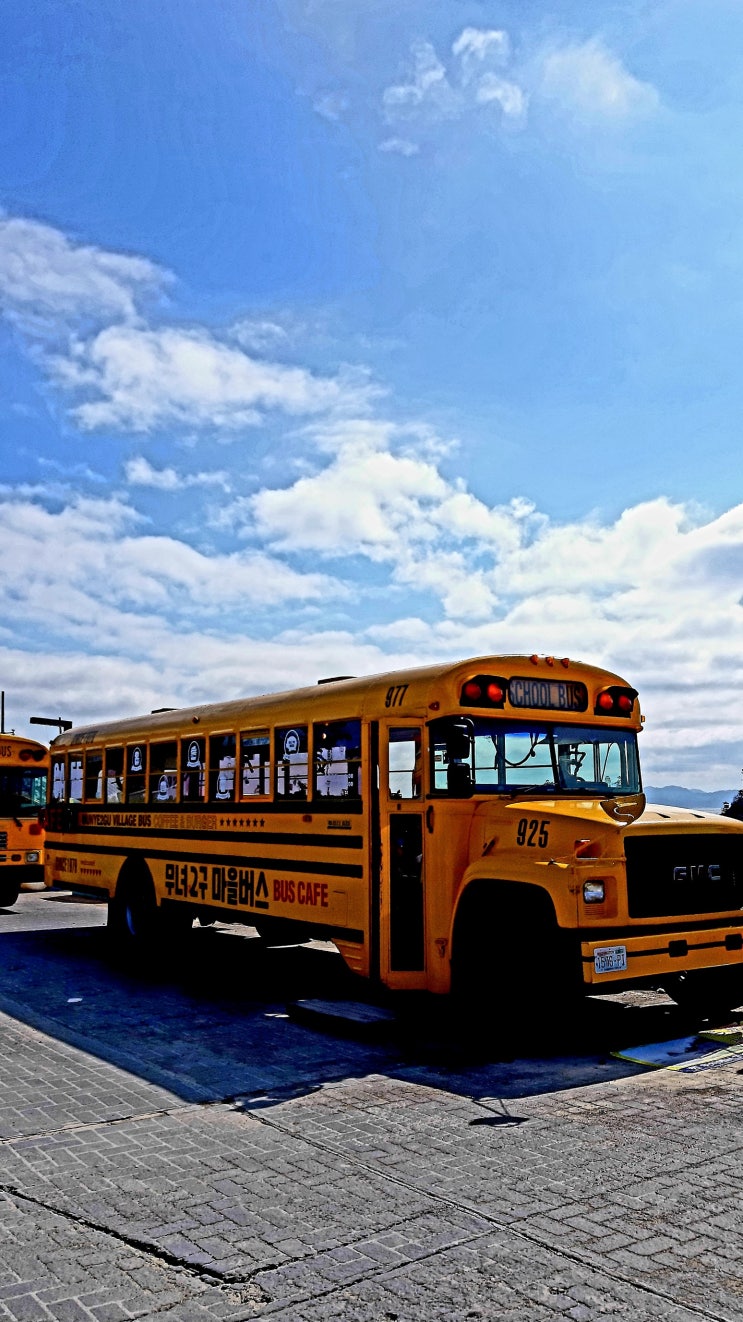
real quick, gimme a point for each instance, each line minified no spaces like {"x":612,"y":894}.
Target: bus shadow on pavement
{"x":210,"y":1019}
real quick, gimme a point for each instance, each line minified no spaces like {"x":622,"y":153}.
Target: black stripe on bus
{"x":310,"y":838}
{"x":615,"y":934}
{"x":664,"y":950}
{"x":220,"y":860}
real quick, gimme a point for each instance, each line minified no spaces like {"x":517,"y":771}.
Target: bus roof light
{"x":484,"y":691}
{"x":616,"y":700}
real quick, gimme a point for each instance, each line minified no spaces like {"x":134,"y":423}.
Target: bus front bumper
{"x":647,"y":958}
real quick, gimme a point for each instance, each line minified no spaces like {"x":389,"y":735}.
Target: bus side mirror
{"x":458,"y":741}
{"x":458,"y":780}
{"x":458,"y":754}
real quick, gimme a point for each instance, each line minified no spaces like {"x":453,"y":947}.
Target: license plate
{"x":609,"y":959}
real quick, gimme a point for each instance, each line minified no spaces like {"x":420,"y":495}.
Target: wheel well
{"x":134,"y":871}
{"x":501,"y":902}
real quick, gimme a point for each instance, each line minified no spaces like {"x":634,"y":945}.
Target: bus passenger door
{"x":402,"y":946}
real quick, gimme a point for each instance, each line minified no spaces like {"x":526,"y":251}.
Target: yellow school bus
{"x":478,"y":826}
{"x":24,"y":765}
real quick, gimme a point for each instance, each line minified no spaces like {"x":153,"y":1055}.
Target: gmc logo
{"x":698,"y":872}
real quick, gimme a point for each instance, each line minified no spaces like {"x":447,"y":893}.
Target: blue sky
{"x":338,"y":336}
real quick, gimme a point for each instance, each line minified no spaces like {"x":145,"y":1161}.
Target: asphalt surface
{"x":190,"y":1141}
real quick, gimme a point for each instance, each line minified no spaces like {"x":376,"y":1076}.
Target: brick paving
{"x":349,"y":1180}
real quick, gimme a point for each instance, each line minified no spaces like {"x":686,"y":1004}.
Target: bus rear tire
{"x":132,"y":913}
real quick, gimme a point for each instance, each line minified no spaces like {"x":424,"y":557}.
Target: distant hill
{"x":677,"y":796}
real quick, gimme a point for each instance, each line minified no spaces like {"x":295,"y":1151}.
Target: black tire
{"x":132,"y":913}
{"x":708,"y":993}
{"x":511,"y":965}
{"x":135,"y":921}
{"x":9,"y":892}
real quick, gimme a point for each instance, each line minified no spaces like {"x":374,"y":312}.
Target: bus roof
{"x":346,"y":697}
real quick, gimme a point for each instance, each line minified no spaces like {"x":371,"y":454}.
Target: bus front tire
{"x":9,"y":894}
{"x":512,"y":967}
{"x":707,"y":992}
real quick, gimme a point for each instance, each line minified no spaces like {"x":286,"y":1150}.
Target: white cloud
{"x":78,"y":307}
{"x":92,"y":571}
{"x":258,"y":334}
{"x":400,"y":146}
{"x":141,"y":620}
{"x":44,"y":275}
{"x":428,"y":86}
{"x":144,"y":379}
{"x":509,"y":96}
{"x":474,"y":46}
{"x":330,"y":105}
{"x":139,"y":472}
{"x":473,"y":79}
{"x":590,"y":81}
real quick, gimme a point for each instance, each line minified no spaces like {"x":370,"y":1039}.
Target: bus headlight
{"x":593,"y":892}
{"x":32,"y":856}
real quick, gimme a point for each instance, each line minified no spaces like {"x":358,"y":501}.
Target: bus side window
{"x":59,"y":788}
{"x":94,"y":776}
{"x":404,"y":764}
{"x":114,"y":775}
{"x":193,"y":769}
{"x":255,"y":763}
{"x":290,"y":743}
{"x":163,"y":772}
{"x":136,"y":766}
{"x":76,"y":779}
{"x":337,"y":746}
{"x":222,"y":766}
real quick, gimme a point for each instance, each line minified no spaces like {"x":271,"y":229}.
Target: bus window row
{"x":220,"y":768}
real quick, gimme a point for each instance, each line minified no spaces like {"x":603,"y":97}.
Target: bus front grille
{"x":684,"y":874}
{"x":3,"y":839}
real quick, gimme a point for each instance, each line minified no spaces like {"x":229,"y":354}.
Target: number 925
{"x":533,"y":833}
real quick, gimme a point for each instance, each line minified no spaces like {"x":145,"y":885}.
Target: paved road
{"x":173,"y":1145}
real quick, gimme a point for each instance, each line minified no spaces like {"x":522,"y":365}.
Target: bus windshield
{"x":22,"y":790}
{"x":482,"y":755}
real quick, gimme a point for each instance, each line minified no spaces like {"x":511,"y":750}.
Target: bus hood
{"x":659,"y":819}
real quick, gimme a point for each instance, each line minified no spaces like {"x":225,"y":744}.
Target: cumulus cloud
{"x":330,"y":105}
{"x":400,"y":146}
{"x":141,"y":379}
{"x":588,"y":80}
{"x":475,"y":46}
{"x":427,"y":85}
{"x":80,"y":308}
{"x":654,"y":593}
{"x":473,"y":77}
{"x":91,"y":570}
{"x":45,"y":275}
{"x":139,"y":472}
